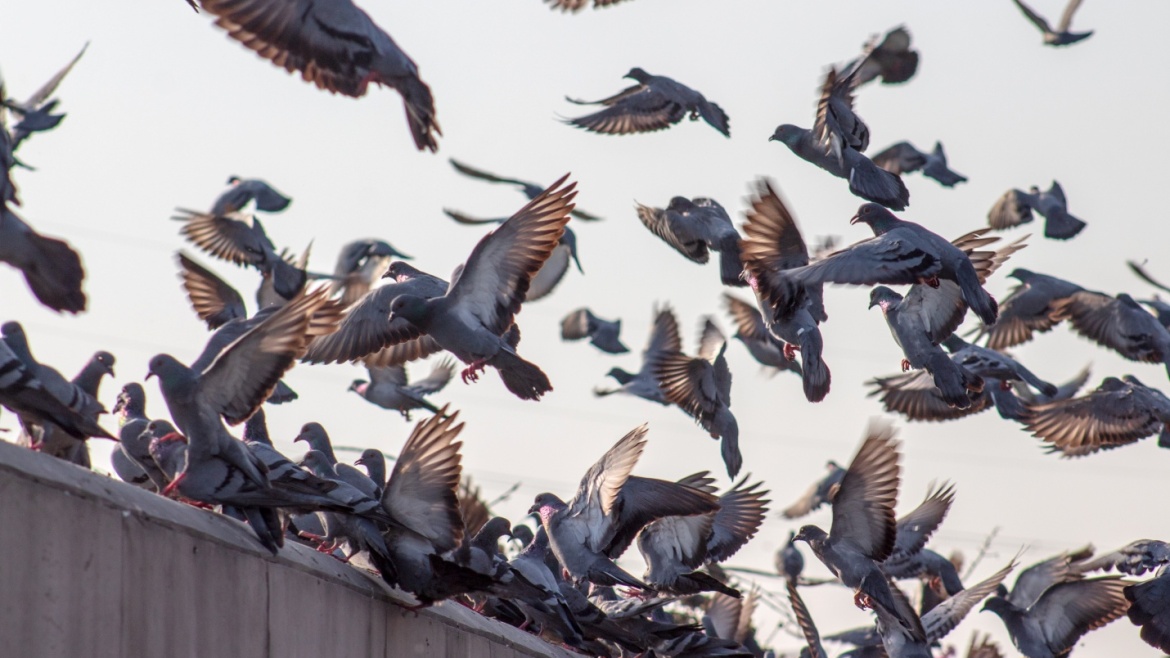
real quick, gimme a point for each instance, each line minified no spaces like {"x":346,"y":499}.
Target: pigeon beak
{"x":149,"y":374}
{"x":299,"y":437}
{"x":772,"y":138}
{"x":534,"y":510}
{"x":359,"y":461}
{"x":872,"y":304}
{"x":854,"y":219}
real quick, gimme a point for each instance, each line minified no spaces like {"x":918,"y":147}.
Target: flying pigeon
{"x":52,"y":440}
{"x":695,"y":227}
{"x":530,"y":190}
{"x":821,"y":492}
{"x":655,"y":103}
{"x":892,"y":59}
{"x":603,"y":334}
{"x":701,"y":387}
{"x":664,"y":339}
{"x":335,"y":45}
{"x":608,"y":510}
{"x":771,"y":246}
{"x":753,"y":333}
{"x":1061,"y":36}
{"x":240,"y":238}
{"x":1027,"y":309}
{"x":903,"y":158}
{"x":1117,"y":413}
{"x":1148,"y":609}
{"x":1015,"y":208}
{"x":1134,"y":559}
{"x":50,"y":266}
{"x":388,"y":388}
{"x":360,"y":264}
{"x":986,"y":363}
{"x":245,"y":190}
{"x":1119,"y":323}
{"x":36,"y":112}
{"x":1061,"y":614}
{"x":478,"y":309}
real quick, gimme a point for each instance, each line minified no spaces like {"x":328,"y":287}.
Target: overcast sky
{"x":164,"y":107}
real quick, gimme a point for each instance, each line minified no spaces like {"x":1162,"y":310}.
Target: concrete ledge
{"x":95,"y":567}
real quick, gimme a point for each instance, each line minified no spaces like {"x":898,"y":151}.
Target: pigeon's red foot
{"x":906,"y":367}
{"x":524,"y":626}
{"x":170,"y":488}
{"x":862,"y":600}
{"x":790,"y":351}
{"x":1005,"y":385}
{"x":471,"y":372}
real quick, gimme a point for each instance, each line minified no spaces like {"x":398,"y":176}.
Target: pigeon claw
{"x":471,"y":372}
{"x":790,"y":351}
{"x":862,"y":600}
{"x":906,"y":367}
{"x":170,"y":488}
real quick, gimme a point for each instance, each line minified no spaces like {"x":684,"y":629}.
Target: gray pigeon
{"x":821,"y":492}
{"x":240,"y":238}
{"x":892,"y":59}
{"x":603,"y":334}
{"x":990,"y":363}
{"x":1119,"y":323}
{"x":1061,"y":36}
{"x":863,"y":532}
{"x":609,"y":509}
{"x":31,"y":398}
{"x":388,"y":388}
{"x":242,"y":191}
{"x":375,"y":463}
{"x":701,"y":387}
{"x":655,"y":103}
{"x":167,"y":448}
{"x":903,"y":158}
{"x":530,"y":190}
{"x":1148,"y":609}
{"x":481,"y":304}
{"x":36,"y":113}
{"x":771,"y":246}
{"x":336,"y":46}
{"x":664,"y":339}
{"x":530,"y":566}
{"x":1027,"y":309}
{"x":50,"y":266}
{"x":753,"y":333}
{"x":1015,"y":208}
{"x":674,"y":547}
{"x":318,"y":440}
{"x":1134,"y":559}
{"x":695,"y":227}
{"x":359,"y":529}
{"x":1118,"y":413}
{"x":789,"y":561}
{"x":359,"y":266}
{"x":55,"y":441}
{"x":1061,"y":614}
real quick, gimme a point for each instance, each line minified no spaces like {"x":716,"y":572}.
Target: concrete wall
{"x":90,"y":566}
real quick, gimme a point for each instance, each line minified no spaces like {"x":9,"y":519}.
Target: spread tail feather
{"x":525,"y":380}
{"x":1062,"y":226}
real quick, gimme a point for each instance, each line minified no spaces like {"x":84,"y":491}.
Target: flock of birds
{"x":422,"y":526}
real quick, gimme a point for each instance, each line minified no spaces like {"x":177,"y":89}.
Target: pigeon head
{"x":787,"y":133}
{"x":106,"y":361}
{"x":998,"y":604}
{"x":168,"y":370}
{"x":883,"y":297}
{"x":811,"y":534}
{"x":680,"y":204}
{"x":315,"y":461}
{"x":638,"y":74}
{"x":131,"y":399}
{"x":359,"y":386}
{"x":495,"y":528}
{"x":234,"y":180}
{"x":400,"y":271}
{"x":620,"y":375}
{"x":370,"y":456}
{"x":876,"y":215}
{"x":411,"y":307}
{"x":546,"y":505}
{"x":523,"y":534}
{"x":314,"y":435}
{"x":1111,"y":384}
{"x":1021,"y":274}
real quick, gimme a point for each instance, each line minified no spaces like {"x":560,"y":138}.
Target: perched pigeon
{"x":1116,"y":414}
{"x":1119,"y":323}
{"x":52,"y":440}
{"x":167,"y":448}
{"x":530,"y":190}
{"x":245,"y":190}
{"x":1015,"y":208}
{"x":388,"y":388}
{"x":239,"y":238}
{"x":478,"y":309}
{"x":358,"y":529}
{"x":701,"y":387}
{"x":36,"y":113}
{"x":1061,"y":36}
{"x":335,"y":45}
{"x":753,"y":333}
{"x":359,"y":266}
{"x":674,"y":547}
{"x":694,"y":227}
{"x":603,"y":334}
{"x":1061,"y":614}
{"x":1027,"y":309}
{"x":821,"y":492}
{"x":772,"y":245}
{"x":655,"y":103}
{"x":1148,"y":608}
{"x":609,"y":509}
{"x":863,"y":532}
{"x":50,"y":266}
{"x":1133,"y":559}
{"x":903,"y":158}
{"x":892,"y":59}
{"x":789,"y":561}
{"x":375,"y":463}
{"x":664,"y":339}
{"x":318,"y":440}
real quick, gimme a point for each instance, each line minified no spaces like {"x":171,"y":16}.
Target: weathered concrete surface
{"x":90,"y":566}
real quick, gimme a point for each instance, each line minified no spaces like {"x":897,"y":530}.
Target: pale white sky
{"x":163,"y":107}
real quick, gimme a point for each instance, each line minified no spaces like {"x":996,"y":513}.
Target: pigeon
{"x":608,"y":510}
{"x":821,"y":492}
{"x":772,"y":245}
{"x":835,"y":143}
{"x":990,"y":363}
{"x":574,"y":6}
{"x":701,"y":387}
{"x":1119,"y":323}
{"x":753,"y":333}
{"x":54,"y":441}
{"x":1061,"y":36}
{"x":903,"y":158}
{"x":375,"y":463}
{"x":335,"y":45}
{"x":240,"y":238}
{"x":1015,"y":208}
{"x":1119,"y":412}
{"x":245,"y":190}
{"x":51,"y":268}
{"x":318,"y":440}
{"x":36,"y":113}
{"x":388,"y":388}
{"x":167,"y":448}
{"x":664,"y":339}
{"x":530,"y":566}
{"x":359,"y":266}
{"x":358,"y":529}
{"x":655,"y":103}
{"x":530,"y":190}
{"x":602,"y":334}
{"x":892,"y":59}
{"x":1134,"y":559}
{"x":789,"y":561}
{"x":674,"y":547}
{"x":471,"y":319}
{"x":863,"y":532}
{"x":368,"y":332}
{"x":1027,"y":309}
{"x":694,"y":227}
{"x":1061,"y":614}
{"x":914,"y":395}
{"x":1148,"y":609}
